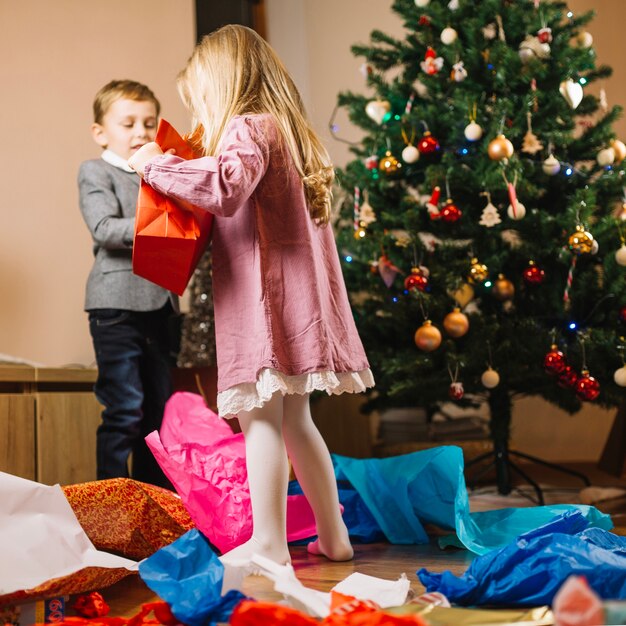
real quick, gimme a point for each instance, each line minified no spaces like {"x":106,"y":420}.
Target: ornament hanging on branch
{"x":473,"y":131}
{"x":500,"y":148}
{"x":572,"y":92}
{"x":478,"y":272}
{"x":533,"y":275}
{"x":551,"y":165}
{"x":417,"y":280}
{"x":431,"y":63}
{"x":359,"y":228}
{"x":377,"y":110}
{"x":367,"y":215}
{"x":387,"y":270}
{"x":584,"y":39}
{"x":428,"y":145}
{"x":490,"y":216}
{"x":458,"y":73}
{"x":531,"y":143}
{"x":432,"y":206}
{"x":533,"y":49}
{"x":619,"y":149}
{"x":587,"y":387}
{"x":456,"y":323}
{"x":371,"y":162}
{"x":490,"y":378}
{"x":455,"y":391}
{"x":463,"y":295}
{"x":503,"y":288}
{"x":389,"y":165}
{"x":544,"y":34}
{"x":410,"y":154}
{"x":448,"y":36}
{"x":580,"y":241}
{"x":605,"y":157}
{"x":427,"y":337}
{"x":554,"y":361}
{"x":450,"y":212}
{"x":516,"y":210}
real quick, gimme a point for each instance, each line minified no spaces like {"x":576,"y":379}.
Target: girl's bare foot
{"x":240,"y":556}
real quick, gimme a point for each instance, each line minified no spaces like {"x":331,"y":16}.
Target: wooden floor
{"x":381,"y":560}
{"x":385,"y":560}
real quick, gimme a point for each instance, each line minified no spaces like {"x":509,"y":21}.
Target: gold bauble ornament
{"x":503,"y":288}
{"x":500,"y":148}
{"x":478,"y":272}
{"x":456,"y":323}
{"x":490,"y":378}
{"x":389,"y":164}
{"x":427,"y":337}
{"x":360,"y":232}
{"x":620,"y":150}
{"x":580,"y":241}
{"x":620,"y":255}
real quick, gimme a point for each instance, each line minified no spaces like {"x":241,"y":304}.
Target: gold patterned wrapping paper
{"x":84,"y":580}
{"x":127,"y":517}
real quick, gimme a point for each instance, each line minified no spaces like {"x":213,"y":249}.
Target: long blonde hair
{"x":233,"y":71}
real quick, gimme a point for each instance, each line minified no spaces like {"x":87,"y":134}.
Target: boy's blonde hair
{"x":117,"y":89}
{"x":233,"y":71}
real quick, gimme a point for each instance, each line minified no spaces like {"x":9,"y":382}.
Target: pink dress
{"x":282,"y":317}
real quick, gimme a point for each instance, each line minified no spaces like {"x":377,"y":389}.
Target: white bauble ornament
{"x":473,"y":132}
{"x":620,"y":256}
{"x":453,"y":5}
{"x":490,"y":31}
{"x":532,"y":48}
{"x":377,"y":109}
{"x":490,"y":378}
{"x":410,"y":154}
{"x":619,"y":376}
{"x":572,"y":92}
{"x":551,"y":166}
{"x":584,"y":39}
{"x":595,"y":247}
{"x":448,"y":36}
{"x":520,"y":211}
{"x":606,"y":157}
{"x":422,"y":3}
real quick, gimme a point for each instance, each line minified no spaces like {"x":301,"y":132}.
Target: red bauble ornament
{"x":428,"y":144}
{"x":622,"y":315}
{"x":456,"y":391}
{"x":371,"y":162}
{"x":567,"y":378}
{"x":554,"y":362}
{"x":533,"y":275}
{"x":416,"y":280}
{"x":587,"y":387}
{"x":450,"y":212}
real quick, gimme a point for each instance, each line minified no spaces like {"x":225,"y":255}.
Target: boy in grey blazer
{"x":128,"y":315}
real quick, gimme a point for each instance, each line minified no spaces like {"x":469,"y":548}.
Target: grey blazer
{"x":108,"y":197}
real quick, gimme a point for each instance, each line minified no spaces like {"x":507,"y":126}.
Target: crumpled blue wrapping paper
{"x":530,"y":570}
{"x":188,"y":576}
{"x":404,"y":492}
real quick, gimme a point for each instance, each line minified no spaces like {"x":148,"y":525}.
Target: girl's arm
{"x":219,"y":184}
{"x":101,"y":208}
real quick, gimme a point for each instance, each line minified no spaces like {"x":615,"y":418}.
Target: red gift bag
{"x":170,"y":236}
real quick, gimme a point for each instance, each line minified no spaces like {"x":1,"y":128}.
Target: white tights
{"x":283,"y":426}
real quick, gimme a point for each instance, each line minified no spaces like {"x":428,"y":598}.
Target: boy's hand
{"x":146,"y":153}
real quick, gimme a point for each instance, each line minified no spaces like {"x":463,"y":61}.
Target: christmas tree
{"x":483,"y":236}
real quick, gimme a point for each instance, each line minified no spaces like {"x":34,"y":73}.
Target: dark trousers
{"x":133,"y":357}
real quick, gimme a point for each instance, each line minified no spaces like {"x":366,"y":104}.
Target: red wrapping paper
{"x":170,"y":236}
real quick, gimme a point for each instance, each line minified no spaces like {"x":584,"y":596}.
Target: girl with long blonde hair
{"x":283,"y":322}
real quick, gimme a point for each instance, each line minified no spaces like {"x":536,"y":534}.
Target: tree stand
{"x":499,"y":424}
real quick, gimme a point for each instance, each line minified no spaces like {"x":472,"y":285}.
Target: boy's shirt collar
{"x":116,"y":160}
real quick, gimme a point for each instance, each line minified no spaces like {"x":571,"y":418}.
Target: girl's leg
{"x":268,"y":475}
{"x":314,"y":469}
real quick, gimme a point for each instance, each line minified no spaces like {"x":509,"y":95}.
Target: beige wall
{"x":55,"y":55}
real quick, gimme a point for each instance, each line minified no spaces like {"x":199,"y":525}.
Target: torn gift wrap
{"x":45,"y":552}
{"x":206,"y":462}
